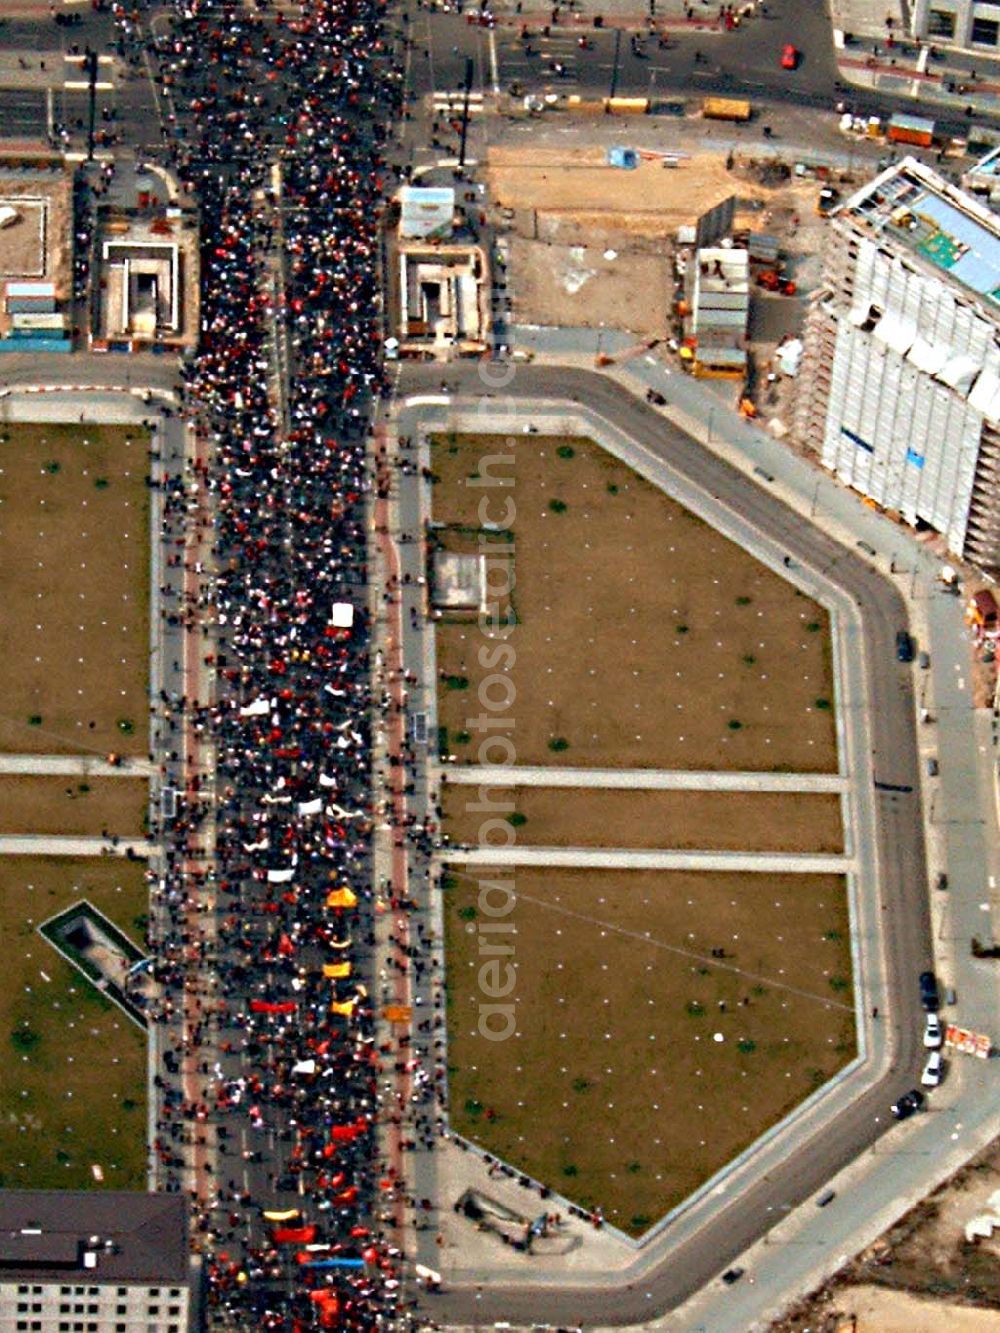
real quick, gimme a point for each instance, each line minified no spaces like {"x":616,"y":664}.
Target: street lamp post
{"x":615,"y":64}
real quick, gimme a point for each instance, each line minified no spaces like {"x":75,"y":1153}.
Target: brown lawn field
{"x":640,"y":637}
{"x":73,"y":1092}
{"x":612,"y":1087}
{"x":681,"y":820}
{"x":74,"y":548}
{"x":73,"y":805}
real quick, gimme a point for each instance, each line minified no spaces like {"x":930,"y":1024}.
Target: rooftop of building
{"x":911,"y":206}
{"x":104,"y":1236}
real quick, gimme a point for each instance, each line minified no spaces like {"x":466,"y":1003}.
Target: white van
{"x":8,"y":215}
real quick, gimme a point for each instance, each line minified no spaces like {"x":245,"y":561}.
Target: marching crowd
{"x":265,"y":929}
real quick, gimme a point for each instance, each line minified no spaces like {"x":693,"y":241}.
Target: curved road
{"x":906,"y":922}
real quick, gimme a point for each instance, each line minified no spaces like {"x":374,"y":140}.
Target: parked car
{"x":931,"y":1076}
{"x":789,"y":56}
{"x":904,"y":647}
{"x":932,"y":1032}
{"x":929,"y":992}
{"x":923,"y":660}
{"x":933,"y":767}
{"x":909,"y":1102}
{"x":732,"y":1275}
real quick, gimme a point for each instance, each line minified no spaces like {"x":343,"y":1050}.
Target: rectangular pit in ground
{"x":748,"y":821}
{"x":611,"y":1086}
{"x":74,"y":547}
{"x":74,"y":1089}
{"x":635,"y":635}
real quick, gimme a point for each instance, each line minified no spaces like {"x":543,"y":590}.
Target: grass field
{"x":74,"y":548}
{"x":642,"y":636}
{"x":706,"y":820}
{"x":73,"y":1091}
{"x":612,"y":1088}
{"x":73,"y":805}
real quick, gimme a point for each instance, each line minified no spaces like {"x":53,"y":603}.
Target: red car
{"x":789,"y":57}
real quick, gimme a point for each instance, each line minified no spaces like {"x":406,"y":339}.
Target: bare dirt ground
{"x":643,"y":638}
{"x":577,"y":285}
{"x":563,"y":208}
{"x":922,"y":1274}
{"x":559,"y":817}
{"x":73,"y":805}
{"x":20,"y":255}
{"x":615,"y":1088}
{"x":74,"y":548}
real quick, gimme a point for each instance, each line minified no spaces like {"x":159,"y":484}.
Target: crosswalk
{"x":452,"y":103}
{"x":552,"y":67}
{"x":77,"y":80}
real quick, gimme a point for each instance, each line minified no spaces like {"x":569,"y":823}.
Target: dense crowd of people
{"x":281,"y":1036}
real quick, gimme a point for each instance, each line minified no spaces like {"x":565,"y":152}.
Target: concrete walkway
{"x":611,"y":858}
{"x":642,"y":779}
{"x":72,"y":766}
{"x":35,"y":844}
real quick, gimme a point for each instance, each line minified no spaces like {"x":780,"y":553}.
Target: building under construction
{"x":901,"y":375}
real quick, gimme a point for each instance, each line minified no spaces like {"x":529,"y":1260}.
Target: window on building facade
{"x":985,"y":32}
{"x":940,"y":23}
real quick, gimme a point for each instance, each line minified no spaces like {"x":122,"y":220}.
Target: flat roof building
{"x":108,"y":1260}
{"x":901,"y":374}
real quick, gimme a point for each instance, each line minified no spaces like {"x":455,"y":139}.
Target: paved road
{"x":642,"y":779}
{"x":32,"y":844}
{"x":736,"y":1224}
{"x":68,"y":765}
{"x":743,"y":63}
{"x":635,"y":858}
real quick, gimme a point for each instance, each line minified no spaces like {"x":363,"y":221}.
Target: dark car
{"x":909,"y":1102}
{"x":732,"y":1275}
{"x":929,"y":992}
{"x":904,"y":647}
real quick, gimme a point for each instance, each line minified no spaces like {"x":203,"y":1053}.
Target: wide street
{"x":693,"y":63}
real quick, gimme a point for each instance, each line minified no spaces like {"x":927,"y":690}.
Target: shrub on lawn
{"x":558,"y":506}
{"x":695,"y":1009}
{"x":822,"y":703}
{"x":571,"y":1170}
{"x":467,"y":913}
{"x":472,"y":1107}
{"x":734,"y":724}
{"x":566,"y":451}
{"x":35,"y":720}
{"x":457,"y":682}
{"x":126,"y":726}
{"x":518,"y":819}
{"x":746,"y":1046}
{"x":558,"y":743}
{"x":24,"y":1039}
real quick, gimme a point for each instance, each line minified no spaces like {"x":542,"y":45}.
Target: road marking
{"x":79,"y":60}
{"x":50,"y":112}
{"x":83,"y":86}
{"x":494,"y":62}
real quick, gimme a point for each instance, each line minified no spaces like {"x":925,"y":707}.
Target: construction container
{"x":726,"y":108}
{"x":916,"y":130}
